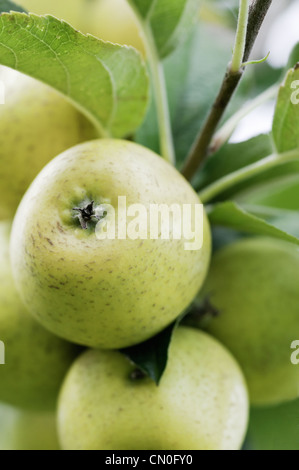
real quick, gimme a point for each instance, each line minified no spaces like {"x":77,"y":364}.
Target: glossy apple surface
{"x":35,"y":360}
{"x":253,"y":284}
{"x":36,"y":123}
{"x":200,"y":404}
{"x":109,"y":293}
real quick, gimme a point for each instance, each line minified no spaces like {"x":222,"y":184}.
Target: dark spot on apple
{"x":137,"y":374}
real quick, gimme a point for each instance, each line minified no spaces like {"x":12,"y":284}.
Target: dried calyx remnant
{"x":89,"y":213}
{"x":137,"y":374}
{"x":201,"y":314}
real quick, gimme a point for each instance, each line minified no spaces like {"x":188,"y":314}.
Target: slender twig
{"x":240,"y":42}
{"x":238,"y":176}
{"x":159,"y":87}
{"x":257,"y":13}
{"x":161,"y":100}
{"x":200,"y":149}
{"x":226,"y":131}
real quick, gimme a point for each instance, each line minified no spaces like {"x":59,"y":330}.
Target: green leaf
{"x":279,"y":193}
{"x":7,"y":6}
{"x":286,"y":118}
{"x":283,"y":219}
{"x":152,"y":355}
{"x":176,"y":69}
{"x":293,"y":59}
{"x":225,"y":13}
{"x":232,"y":157}
{"x":191,"y":87}
{"x":107,"y":82}
{"x":169,"y":22}
{"x":232,"y":215}
{"x":275,"y":427}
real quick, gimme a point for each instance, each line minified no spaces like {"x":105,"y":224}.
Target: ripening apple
{"x":110,"y":20}
{"x":36,"y":123}
{"x":201,"y":402}
{"x":253,"y":284}
{"x":120,"y":290}
{"x":27,"y":430}
{"x":35,"y":360}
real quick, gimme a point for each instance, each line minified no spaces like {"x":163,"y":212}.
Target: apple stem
{"x":206,"y":310}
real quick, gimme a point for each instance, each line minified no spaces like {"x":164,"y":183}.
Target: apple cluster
{"x":70,"y":301}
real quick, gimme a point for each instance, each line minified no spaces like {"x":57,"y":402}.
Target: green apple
{"x":274,"y":428}
{"x":108,"y":293}
{"x":110,"y":20}
{"x":36,"y":123}
{"x":27,"y":430}
{"x":201,"y":402}
{"x":35,"y":360}
{"x":253,"y":284}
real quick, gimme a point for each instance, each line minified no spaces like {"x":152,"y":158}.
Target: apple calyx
{"x":202,"y":314}
{"x":88,"y":213}
{"x":137,"y":374}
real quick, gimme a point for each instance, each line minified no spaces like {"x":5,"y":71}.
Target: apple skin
{"x":36,"y":124}
{"x":110,"y":20}
{"x":253,"y":283}
{"x":201,"y":402}
{"x":27,"y":430}
{"x":35,"y":360}
{"x":274,"y":428}
{"x":104,"y":293}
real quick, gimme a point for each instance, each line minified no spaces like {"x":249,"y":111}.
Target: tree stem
{"x":201,"y":147}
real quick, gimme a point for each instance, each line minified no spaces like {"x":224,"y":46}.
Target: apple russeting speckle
{"x":36,"y":124}
{"x":253,"y":284}
{"x":35,"y":360}
{"x":148,"y":240}
{"x":200,"y":404}
{"x":110,"y":293}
